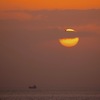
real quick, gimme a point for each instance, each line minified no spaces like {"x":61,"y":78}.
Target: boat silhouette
{"x":33,"y":87}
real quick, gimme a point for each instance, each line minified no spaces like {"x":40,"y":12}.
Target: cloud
{"x":14,"y":16}
{"x":51,"y":24}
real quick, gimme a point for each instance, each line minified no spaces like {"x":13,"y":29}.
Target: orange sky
{"x":48,"y":4}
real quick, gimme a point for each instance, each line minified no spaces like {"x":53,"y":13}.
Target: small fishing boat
{"x":33,"y":87}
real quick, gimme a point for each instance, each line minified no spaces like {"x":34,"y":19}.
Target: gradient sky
{"x":50,"y":4}
{"x":30,"y":52}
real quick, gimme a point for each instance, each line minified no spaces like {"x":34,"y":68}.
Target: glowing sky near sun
{"x":48,"y":4}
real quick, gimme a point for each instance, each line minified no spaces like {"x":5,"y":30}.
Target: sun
{"x":69,"y":42}
{"x":70,"y":30}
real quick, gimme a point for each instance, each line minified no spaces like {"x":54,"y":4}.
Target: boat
{"x":33,"y":87}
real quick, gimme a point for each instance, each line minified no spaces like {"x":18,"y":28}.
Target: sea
{"x":36,"y":94}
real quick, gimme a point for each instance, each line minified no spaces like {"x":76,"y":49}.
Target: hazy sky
{"x":30,"y":52}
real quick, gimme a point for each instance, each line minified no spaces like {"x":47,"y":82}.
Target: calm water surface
{"x":31,"y":94}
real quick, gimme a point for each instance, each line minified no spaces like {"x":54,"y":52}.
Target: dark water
{"x":32,"y":94}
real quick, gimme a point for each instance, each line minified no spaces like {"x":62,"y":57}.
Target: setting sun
{"x":69,"y":42}
{"x":70,"y":30}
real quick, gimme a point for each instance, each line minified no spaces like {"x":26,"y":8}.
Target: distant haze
{"x":31,"y":54}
